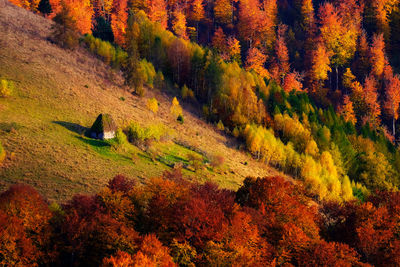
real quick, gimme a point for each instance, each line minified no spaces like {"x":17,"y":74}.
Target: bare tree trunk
{"x":337,"y":79}
{"x":394,"y":128}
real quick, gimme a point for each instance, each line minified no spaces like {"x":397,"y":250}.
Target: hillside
{"x":59,"y":92}
{"x":251,"y":133}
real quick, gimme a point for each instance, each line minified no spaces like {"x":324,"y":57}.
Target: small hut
{"x":103,"y":128}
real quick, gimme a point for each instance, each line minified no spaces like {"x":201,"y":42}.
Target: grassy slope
{"x":58,"y":93}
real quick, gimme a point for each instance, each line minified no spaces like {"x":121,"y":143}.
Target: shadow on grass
{"x":73,"y":127}
{"x":94,"y":142}
{"x":175,"y":158}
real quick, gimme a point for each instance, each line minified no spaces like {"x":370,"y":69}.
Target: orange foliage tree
{"x":255,"y":60}
{"x":223,"y":11}
{"x":292,"y":81}
{"x":338,"y":35}
{"x":119,"y":21}
{"x":158,"y":12}
{"x":256,"y":22}
{"x":347,"y":110}
{"x":82,"y":12}
{"x":24,"y":205}
{"x":371,"y":99}
{"x":179,"y":24}
{"x":219,"y":41}
{"x":16,"y":249}
{"x":320,"y":63}
{"x":377,"y":55}
{"x":281,"y":51}
{"x":393,"y":99}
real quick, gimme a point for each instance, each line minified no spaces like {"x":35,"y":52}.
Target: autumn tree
{"x":362,"y":63}
{"x":152,"y":104}
{"x":393,"y":99}
{"x":269,"y":21}
{"x":119,"y":259}
{"x":371,"y":99}
{"x":82,"y":12}
{"x":88,"y":233}
{"x":381,"y":10}
{"x":16,"y":248}
{"x":377,"y":55}
{"x":308,"y":17}
{"x":281,"y":51}
{"x":339,"y":38}
{"x":179,"y":24}
{"x":56,"y":6}
{"x":22,"y":206}
{"x":324,"y":253}
{"x":203,"y":217}
{"x":119,"y":20}
{"x":175,"y":108}
{"x":348,"y":78}
{"x":133,"y":71}
{"x":234,"y":49}
{"x":273,"y":196}
{"x":31,"y":5}
{"x":320,"y":63}
{"x":292,"y":81}
{"x":65,"y":27}
{"x":102,"y":8}
{"x":223,"y":11}
{"x":347,"y":111}
{"x":219,"y":41}
{"x":196,"y":13}
{"x":158,"y":12}
{"x":255,"y":60}
{"x":256,"y":22}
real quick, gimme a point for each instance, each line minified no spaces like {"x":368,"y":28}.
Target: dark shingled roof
{"x":103,"y":123}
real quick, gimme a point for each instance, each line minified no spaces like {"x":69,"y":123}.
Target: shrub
{"x":187,"y":93}
{"x":175,"y":109}
{"x":220,"y":126}
{"x":120,"y":137}
{"x":138,"y":134}
{"x":195,"y":160}
{"x":152,"y":104}
{"x":236,"y":132}
{"x":106,"y":51}
{"x":6,"y":88}
{"x":217,"y":161}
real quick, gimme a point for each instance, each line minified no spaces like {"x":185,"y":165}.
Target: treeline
{"x":172,"y":222}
